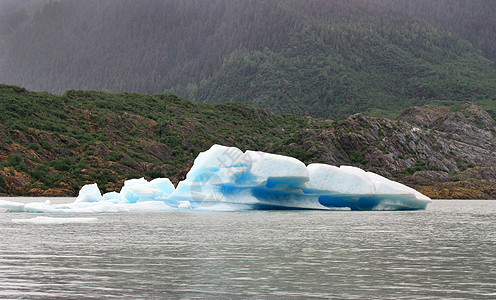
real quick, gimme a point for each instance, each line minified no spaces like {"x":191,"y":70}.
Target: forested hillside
{"x":321,"y":58}
{"x":472,"y":20}
{"x":52,"y":145}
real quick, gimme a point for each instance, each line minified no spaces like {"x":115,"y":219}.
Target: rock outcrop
{"x":442,"y":153}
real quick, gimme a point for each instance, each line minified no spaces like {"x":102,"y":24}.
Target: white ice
{"x":51,"y":220}
{"x":225,"y":178}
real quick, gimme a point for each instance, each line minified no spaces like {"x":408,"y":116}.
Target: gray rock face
{"x":424,"y":146}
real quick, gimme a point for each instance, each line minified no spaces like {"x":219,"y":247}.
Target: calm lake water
{"x":446,"y":251}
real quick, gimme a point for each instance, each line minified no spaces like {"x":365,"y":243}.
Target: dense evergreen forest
{"x":472,"y":20}
{"x":320,"y":58}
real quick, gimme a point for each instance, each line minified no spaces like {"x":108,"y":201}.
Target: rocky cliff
{"x":441,"y":152}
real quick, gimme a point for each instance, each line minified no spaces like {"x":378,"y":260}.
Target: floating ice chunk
{"x":37,"y":207}
{"x":136,"y":190}
{"x":184,"y":204}
{"x":139,"y":190}
{"x":141,"y":193}
{"x":274,"y":169}
{"x":195,"y":190}
{"x":127,"y":192}
{"x":146,"y":206}
{"x":12,"y":206}
{"x":105,"y":206}
{"x":89,"y":193}
{"x":218,"y":165}
{"x":344,"y":179}
{"x":112,"y":196}
{"x":50,"y":220}
{"x":164,"y":185}
{"x":227,"y":175}
{"x":214,"y":159}
{"x":135,"y":182}
{"x":225,"y":178}
{"x":211,"y":172}
{"x":385,"y":186}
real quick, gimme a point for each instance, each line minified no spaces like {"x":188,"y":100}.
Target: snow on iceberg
{"x":225,"y":178}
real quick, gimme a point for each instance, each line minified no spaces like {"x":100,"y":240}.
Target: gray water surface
{"x":446,"y":251}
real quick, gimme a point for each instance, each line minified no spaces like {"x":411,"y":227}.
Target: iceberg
{"x":226,"y":178}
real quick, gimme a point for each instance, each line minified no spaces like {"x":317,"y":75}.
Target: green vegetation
{"x":87,"y":136}
{"x":52,"y":145}
{"x":471,"y":20}
{"x":321,"y":58}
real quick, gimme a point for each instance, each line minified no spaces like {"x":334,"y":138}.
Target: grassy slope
{"x":65,"y":141}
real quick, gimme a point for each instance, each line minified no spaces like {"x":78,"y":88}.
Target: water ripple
{"x":447,"y":251}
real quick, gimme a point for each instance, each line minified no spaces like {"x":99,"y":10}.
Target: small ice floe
{"x":51,"y":220}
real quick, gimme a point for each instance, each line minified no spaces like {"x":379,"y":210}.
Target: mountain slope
{"x":320,"y":58}
{"x":52,"y":145}
{"x":472,"y":20}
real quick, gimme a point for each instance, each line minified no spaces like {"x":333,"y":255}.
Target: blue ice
{"x":226,"y":178}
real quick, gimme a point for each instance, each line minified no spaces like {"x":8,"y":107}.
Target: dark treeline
{"x":323,"y":58}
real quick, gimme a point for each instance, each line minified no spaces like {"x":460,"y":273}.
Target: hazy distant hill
{"x":317,"y":57}
{"x":473,"y":20}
